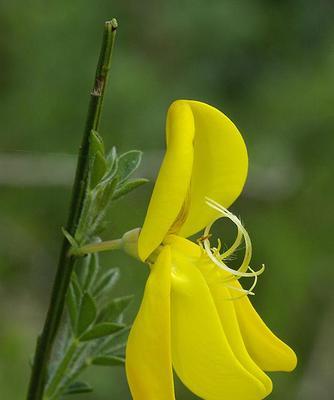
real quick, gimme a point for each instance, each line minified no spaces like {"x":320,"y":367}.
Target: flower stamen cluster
{"x":219,"y":259}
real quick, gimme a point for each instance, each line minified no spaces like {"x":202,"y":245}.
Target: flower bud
{"x":130,"y":242}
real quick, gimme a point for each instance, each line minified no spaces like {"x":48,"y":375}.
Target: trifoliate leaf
{"x":77,"y":388}
{"x":87,"y":314}
{"x":101,"y":330}
{"x":128,"y":163}
{"x":114,"y":308}
{"x":108,"y":360}
{"x":127,"y":187}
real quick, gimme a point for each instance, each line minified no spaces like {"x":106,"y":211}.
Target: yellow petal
{"x":220,"y":165}
{"x":265,"y":348}
{"x":148,"y":353}
{"x":206,"y":156}
{"x":181,"y":245}
{"x":228,"y":319}
{"x":202,"y":356}
{"x":173,"y":181}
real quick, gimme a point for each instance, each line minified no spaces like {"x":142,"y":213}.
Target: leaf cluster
{"x":95,"y":332}
{"x":109,"y":179}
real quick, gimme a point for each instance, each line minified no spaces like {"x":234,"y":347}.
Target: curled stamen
{"x":234,"y":246}
{"x":245,"y":292}
{"x":218,"y":258}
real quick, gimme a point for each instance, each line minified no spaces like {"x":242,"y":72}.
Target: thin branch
{"x":66,"y":263}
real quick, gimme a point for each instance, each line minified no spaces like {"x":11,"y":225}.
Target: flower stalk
{"x":90,"y":248}
{"x":128,"y":243}
{"x":66,"y":262}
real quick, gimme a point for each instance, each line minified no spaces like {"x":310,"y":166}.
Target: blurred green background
{"x":267,"y":64}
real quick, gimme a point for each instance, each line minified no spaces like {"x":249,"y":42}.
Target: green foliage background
{"x":267,"y":64}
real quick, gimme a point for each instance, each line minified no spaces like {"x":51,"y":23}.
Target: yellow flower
{"x":195,"y":317}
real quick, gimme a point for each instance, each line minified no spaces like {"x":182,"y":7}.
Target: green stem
{"x":66,"y":263}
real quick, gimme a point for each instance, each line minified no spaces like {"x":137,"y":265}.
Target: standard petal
{"x":202,"y":356}
{"x":220,"y":165}
{"x":148,"y":353}
{"x":229,"y":321}
{"x":172,"y":184}
{"x":265,"y":348}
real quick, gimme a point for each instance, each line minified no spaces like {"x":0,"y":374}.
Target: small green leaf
{"x":117,"y":343}
{"x":95,"y":143}
{"x":105,"y":192}
{"x":107,"y":360}
{"x":76,"y":286}
{"x":127,"y":187}
{"x":112,"y":164}
{"x":81,"y":232}
{"x":128,"y":163}
{"x":111,"y":158}
{"x":74,"y":297}
{"x":77,"y":388}
{"x":98,"y":169}
{"x":87,"y":313}
{"x":101,"y":330}
{"x":84,"y":268}
{"x":114,"y":308}
{"x":72,"y":306}
{"x":70,"y":238}
{"x":92,"y":272}
{"x":106,"y":281}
